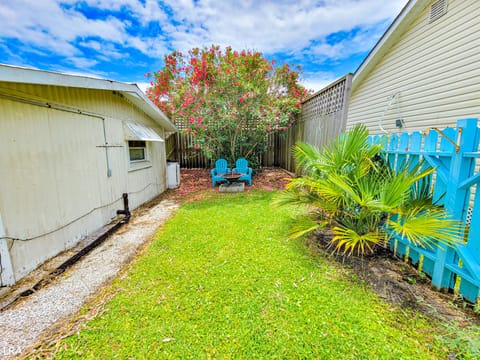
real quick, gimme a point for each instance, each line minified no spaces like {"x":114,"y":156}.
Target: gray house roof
{"x":132,"y":92}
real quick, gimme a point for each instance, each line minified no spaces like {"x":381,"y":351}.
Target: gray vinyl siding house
{"x":425,"y":70}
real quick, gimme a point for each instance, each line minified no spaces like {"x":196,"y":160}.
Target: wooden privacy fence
{"x":454,"y":152}
{"x":324,"y":114}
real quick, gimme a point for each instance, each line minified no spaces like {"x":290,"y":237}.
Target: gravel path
{"x":22,"y":324}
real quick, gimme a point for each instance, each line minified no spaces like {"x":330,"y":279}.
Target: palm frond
{"x":294,"y":197}
{"x":396,"y":189}
{"x":307,"y":157}
{"x":427,"y":228}
{"x":344,"y":186}
{"x":304,"y":226}
{"x":349,"y":242}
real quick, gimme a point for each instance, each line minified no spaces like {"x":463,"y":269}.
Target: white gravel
{"x":22,"y":324}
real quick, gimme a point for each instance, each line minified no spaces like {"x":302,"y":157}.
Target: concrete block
{"x":232,"y":188}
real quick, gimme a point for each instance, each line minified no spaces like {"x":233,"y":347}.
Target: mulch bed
{"x":398,"y":282}
{"x":195,"y":183}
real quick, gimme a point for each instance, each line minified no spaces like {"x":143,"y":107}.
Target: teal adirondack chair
{"x":241,"y":166}
{"x":221,"y":167}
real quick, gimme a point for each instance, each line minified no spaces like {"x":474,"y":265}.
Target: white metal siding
{"x":435,"y":67}
{"x":53,"y":168}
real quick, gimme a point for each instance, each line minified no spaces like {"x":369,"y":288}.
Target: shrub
{"x":229,"y":101}
{"x":349,"y":188}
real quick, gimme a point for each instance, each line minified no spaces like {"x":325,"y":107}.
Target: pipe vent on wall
{"x":437,"y":10}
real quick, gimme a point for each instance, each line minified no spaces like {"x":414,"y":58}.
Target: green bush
{"x":349,"y":188}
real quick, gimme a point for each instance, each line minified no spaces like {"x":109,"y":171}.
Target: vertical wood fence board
{"x":469,"y":289}
{"x":428,"y":265}
{"x":402,"y":158}
{"x":430,"y":141}
{"x":448,"y":139}
{"x":392,"y":150}
{"x":415,"y":142}
{"x":403,"y":150}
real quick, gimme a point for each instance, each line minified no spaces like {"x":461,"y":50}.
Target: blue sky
{"x":125,"y":39}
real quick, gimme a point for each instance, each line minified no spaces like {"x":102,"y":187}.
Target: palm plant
{"x":349,"y":188}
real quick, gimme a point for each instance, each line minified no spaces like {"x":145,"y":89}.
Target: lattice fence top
{"x":327,"y":101}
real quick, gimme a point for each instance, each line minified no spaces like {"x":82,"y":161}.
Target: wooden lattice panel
{"x":325,"y":102}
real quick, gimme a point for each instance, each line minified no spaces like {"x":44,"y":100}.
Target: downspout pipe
{"x":126,"y":209}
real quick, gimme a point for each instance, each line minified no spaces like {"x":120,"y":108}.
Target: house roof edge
{"x":17,"y":74}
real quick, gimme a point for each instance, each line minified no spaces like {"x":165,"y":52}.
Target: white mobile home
{"x":424,"y":72}
{"x":70,"y":146}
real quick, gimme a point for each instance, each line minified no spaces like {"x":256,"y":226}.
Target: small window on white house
{"x":137,"y":151}
{"x":437,"y":10}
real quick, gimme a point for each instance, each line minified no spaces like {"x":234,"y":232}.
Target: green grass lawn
{"x":221,"y":281}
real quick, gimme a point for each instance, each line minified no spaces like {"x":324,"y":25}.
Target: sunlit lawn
{"x":222,"y":281}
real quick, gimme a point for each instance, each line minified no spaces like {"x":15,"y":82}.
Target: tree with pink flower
{"x":229,"y":101}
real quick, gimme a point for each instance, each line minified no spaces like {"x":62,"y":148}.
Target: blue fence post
{"x":456,"y":200}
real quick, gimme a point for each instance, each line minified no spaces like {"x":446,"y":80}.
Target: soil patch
{"x":400,"y":283}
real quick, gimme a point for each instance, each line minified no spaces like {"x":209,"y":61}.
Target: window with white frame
{"x":137,"y":150}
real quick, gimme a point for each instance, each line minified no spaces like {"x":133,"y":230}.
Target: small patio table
{"x":232,"y":176}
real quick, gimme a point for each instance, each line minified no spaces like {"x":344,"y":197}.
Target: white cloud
{"x":83,"y":63}
{"x":46,"y":25}
{"x":317,"y":81}
{"x":295,"y":27}
{"x":273,"y":26}
{"x":148,"y":10}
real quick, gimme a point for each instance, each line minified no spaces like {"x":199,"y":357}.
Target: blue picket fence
{"x":453,"y":152}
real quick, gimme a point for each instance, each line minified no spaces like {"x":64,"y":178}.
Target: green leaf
{"x":427,"y":228}
{"x":350,"y":242}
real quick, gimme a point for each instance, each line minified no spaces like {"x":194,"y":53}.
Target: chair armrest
{"x":249,"y":171}
{"x":212,"y":172}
